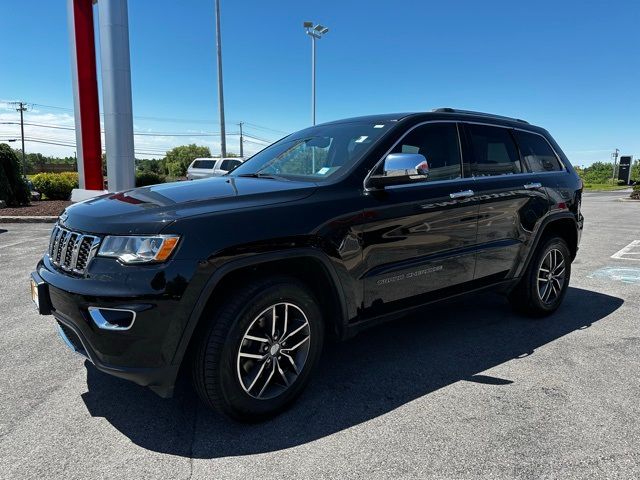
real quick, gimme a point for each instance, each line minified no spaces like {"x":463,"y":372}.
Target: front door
{"x":419,"y":239}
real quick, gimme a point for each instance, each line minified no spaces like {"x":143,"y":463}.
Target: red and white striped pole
{"x":85,"y":93}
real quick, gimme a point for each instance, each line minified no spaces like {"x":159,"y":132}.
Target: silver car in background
{"x":211,"y":167}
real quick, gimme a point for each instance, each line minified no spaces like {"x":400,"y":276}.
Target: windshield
{"x":316,"y":153}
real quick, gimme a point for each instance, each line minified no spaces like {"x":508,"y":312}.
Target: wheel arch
{"x":562,"y":224}
{"x":307,"y":264}
{"x":564,"y":227}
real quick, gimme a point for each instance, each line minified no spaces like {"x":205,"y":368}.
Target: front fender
{"x":254,"y":260}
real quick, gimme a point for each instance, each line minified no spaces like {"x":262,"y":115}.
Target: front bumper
{"x":160,"y":380}
{"x":144,"y":353}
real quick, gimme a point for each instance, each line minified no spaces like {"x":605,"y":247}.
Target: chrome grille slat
{"x":65,"y":248}
{"x":56,"y":241}
{"x":52,"y":240}
{"x":72,"y":251}
{"x":76,"y":249}
{"x":61,"y":240}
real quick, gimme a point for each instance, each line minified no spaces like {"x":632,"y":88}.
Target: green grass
{"x":603,"y":186}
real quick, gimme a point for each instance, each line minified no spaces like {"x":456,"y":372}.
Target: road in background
{"x":466,"y":389}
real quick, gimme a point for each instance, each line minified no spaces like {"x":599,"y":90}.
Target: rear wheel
{"x":259,"y":349}
{"x":545,"y":282}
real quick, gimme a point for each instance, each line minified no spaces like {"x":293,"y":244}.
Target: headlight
{"x":139,"y":248}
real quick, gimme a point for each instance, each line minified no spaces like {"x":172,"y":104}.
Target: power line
{"x":173,"y":119}
{"x":266,"y":128}
{"x":138,"y":133}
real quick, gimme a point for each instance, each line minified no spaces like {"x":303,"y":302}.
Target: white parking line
{"x":630,"y":252}
{"x":21,"y":242}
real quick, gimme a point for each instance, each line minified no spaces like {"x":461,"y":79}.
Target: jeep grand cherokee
{"x":240,"y":278}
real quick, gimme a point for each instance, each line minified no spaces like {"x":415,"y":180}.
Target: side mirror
{"x":400,"y":169}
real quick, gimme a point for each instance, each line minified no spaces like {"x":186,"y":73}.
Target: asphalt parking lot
{"x":462,"y":390}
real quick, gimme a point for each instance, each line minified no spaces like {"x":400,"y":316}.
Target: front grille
{"x":72,"y":251}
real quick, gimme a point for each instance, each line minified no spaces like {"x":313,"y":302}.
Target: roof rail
{"x":480,"y":114}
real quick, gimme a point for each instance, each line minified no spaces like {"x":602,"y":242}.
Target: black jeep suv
{"x":238,"y":279}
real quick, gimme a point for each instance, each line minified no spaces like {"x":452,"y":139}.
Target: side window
{"x":494,"y":151}
{"x":208,"y":164}
{"x":537,"y":153}
{"x":439,"y":145}
{"x":229,"y":165}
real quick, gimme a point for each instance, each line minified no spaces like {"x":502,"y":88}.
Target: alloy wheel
{"x":551,"y":276}
{"x":273,"y":351}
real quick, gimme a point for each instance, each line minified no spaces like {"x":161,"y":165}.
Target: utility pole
{"x":241,"y":141}
{"x":615,"y":163}
{"x":21,"y":107}
{"x":223,"y":138}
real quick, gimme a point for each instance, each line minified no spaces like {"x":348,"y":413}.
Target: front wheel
{"x":259,"y":349}
{"x":545,"y":282}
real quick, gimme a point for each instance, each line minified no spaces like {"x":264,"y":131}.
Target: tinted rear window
{"x":494,"y":151}
{"x":537,"y":153}
{"x":229,"y":164}
{"x":204,"y":164}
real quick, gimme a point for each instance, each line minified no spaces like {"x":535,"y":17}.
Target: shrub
{"x":636,"y":192}
{"x":13,"y":189}
{"x":176,"y":169}
{"x":55,"y":186}
{"x":147,"y":177}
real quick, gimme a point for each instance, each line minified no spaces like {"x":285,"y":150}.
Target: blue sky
{"x":570,"y":66}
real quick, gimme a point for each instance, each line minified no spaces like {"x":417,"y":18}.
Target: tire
{"x":227,"y":374}
{"x":535,"y":295}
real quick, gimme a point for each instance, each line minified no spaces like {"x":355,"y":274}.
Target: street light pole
{"x":223,"y":137}
{"x":315,"y":32}
{"x":313,"y":80}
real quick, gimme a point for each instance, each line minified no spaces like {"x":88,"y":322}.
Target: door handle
{"x":462,"y":194}
{"x":533,"y":186}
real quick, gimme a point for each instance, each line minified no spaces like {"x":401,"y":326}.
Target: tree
{"x":13,"y":188}
{"x":596,"y":173}
{"x":635,"y":171}
{"x":177,"y":159}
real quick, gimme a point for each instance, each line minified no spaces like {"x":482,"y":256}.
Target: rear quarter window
{"x":229,"y":164}
{"x":537,"y":153}
{"x":494,"y":151}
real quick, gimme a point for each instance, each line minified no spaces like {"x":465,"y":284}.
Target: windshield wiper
{"x":256,"y":175}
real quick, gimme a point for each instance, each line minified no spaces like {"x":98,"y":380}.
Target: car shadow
{"x":365,"y":377}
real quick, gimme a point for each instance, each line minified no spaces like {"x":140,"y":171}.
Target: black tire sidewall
{"x":238,"y":402}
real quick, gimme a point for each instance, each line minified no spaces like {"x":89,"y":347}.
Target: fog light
{"x":112,"y":318}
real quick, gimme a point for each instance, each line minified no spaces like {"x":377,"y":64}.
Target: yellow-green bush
{"x":55,"y":186}
{"x":147,"y":177}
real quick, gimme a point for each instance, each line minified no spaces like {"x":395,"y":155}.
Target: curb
{"x":629,"y":200}
{"x":28,"y":219}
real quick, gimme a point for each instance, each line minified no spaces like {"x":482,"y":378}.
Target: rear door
{"x":420,"y":238}
{"x":511,"y":200}
{"x":543,"y":161}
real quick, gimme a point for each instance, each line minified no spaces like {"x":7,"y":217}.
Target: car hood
{"x":150,"y":209}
